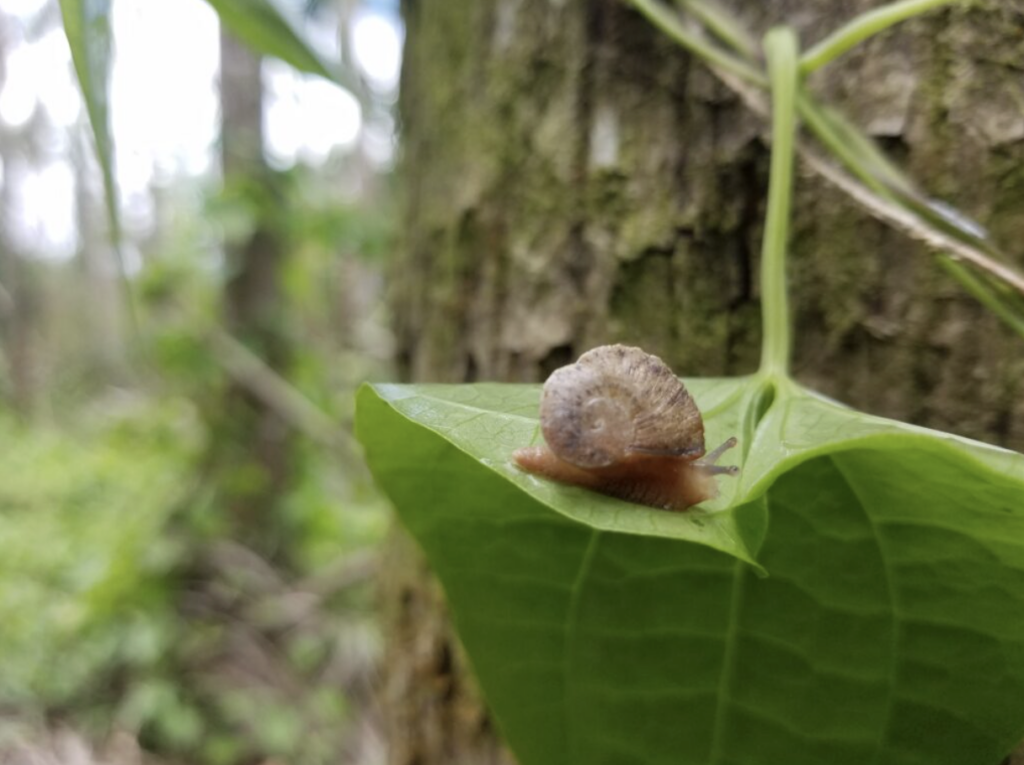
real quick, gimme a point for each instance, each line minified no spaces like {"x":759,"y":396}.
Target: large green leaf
{"x":260,"y":25}
{"x":890,"y":629}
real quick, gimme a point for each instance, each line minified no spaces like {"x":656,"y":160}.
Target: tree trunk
{"x":573,"y":178}
{"x":236,"y":551}
{"x":252,"y":441}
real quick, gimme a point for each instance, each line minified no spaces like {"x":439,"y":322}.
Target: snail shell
{"x":620,"y":423}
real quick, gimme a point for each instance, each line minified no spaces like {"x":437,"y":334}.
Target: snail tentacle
{"x":707,"y":462}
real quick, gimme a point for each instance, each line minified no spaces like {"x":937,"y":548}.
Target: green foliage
{"x":87,"y":24}
{"x":87,"y":27}
{"x":97,"y":524}
{"x":105,"y":521}
{"x":260,"y":25}
{"x":82,"y":556}
{"x":890,"y":628}
{"x":122,"y":597}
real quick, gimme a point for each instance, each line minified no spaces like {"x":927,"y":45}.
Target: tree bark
{"x":573,"y":178}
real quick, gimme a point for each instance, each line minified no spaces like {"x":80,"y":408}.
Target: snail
{"x":620,"y":423}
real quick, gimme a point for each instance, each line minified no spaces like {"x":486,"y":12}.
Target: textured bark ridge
{"x":572,"y":178}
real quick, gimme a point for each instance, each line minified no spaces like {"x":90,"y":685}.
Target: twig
{"x":667,"y":20}
{"x":250,"y":371}
{"x":723,"y":26}
{"x":343,"y":574}
{"x":303,"y":599}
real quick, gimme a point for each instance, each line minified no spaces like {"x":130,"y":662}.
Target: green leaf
{"x":87,"y":27}
{"x":260,"y":25}
{"x":489,"y":421}
{"x":890,"y":629}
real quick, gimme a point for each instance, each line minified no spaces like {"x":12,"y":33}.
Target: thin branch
{"x":346,"y":572}
{"x":723,"y":26}
{"x":668,"y":21}
{"x":251,"y":372}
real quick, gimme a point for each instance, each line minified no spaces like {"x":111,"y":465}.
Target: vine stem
{"x":861,"y":28}
{"x":723,"y":26}
{"x":877,"y":186}
{"x":870,"y":179}
{"x":782,"y":50}
{"x":667,"y":20}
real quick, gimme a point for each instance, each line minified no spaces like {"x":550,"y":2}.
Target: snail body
{"x":620,"y":423}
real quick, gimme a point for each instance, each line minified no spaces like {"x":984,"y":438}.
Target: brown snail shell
{"x":620,"y":423}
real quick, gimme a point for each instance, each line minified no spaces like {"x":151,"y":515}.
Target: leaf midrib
{"x":569,"y":641}
{"x":728,"y":673}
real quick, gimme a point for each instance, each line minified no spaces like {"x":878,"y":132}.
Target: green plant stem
{"x":668,"y":21}
{"x":724,"y":26}
{"x":839,"y":145}
{"x":882,"y":180}
{"x":983,"y":293}
{"x":781,"y":48}
{"x":850,"y":144}
{"x":862,"y":158}
{"x":861,"y":28}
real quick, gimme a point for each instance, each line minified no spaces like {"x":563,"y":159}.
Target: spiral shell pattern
{"x":617,"y":401}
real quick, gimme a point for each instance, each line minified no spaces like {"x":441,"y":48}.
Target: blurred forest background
{"x":186,"y":536}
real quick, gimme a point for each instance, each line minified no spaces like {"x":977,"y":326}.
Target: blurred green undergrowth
{"x":110,"y":618}
{"x":81,"y":549}
{"x":90,"y":549}
{"x":137,"y":392}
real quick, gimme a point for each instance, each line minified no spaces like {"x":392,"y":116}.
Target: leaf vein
{"x":896,"y":619}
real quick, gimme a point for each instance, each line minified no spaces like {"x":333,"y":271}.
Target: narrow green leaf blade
{"x":890,"y":629}
{"x":260,"y":25}
{"x":87,"y":27}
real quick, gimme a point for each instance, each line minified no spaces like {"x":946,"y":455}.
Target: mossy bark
{"x":573,"y":178}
